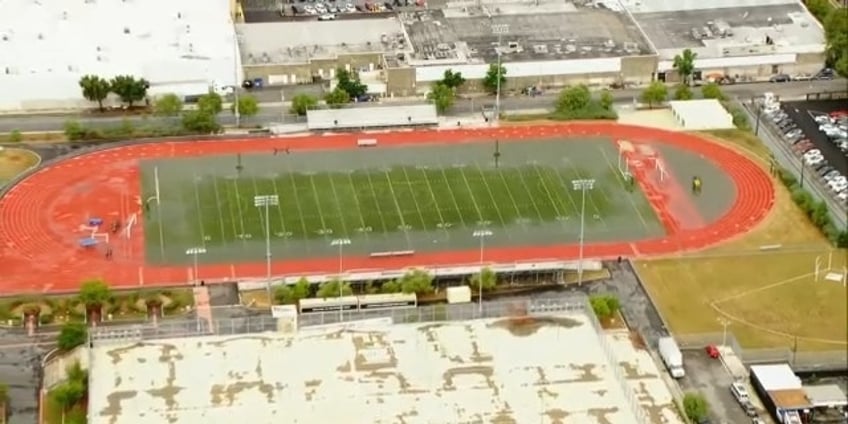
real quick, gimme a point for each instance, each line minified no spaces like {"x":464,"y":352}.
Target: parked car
{"x":803,"y":147}
{"x":831,"y":175}
{"x":780,"y":78}
{"x":823,"y":170}
{"x":794,"y":132}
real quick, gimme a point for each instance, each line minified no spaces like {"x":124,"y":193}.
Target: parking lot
{"x":709,"y":377}
{"x":816,"y":132}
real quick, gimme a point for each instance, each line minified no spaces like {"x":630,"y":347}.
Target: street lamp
{"x":724,"y":323}
{"x":481,"y":234}
{"x":499,"y":30}
{"x":341,"y":243}
{"x":194,"y":252}
{"x":266,"y":201}
{"x":236,"y":113}
{"x":583,"y":185}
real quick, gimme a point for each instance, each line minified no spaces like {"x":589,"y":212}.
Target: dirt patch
{"x":14,"y":161}
{"x":615,"y":322}
{"x":527,"y":326}
{"x":638,"y":341}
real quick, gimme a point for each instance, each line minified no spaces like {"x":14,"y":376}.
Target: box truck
{"x":671,"y":356}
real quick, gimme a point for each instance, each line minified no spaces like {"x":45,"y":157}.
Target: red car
{"x":802,"y":146}
{"x":839,"y":114}
{"x":712,"y":351}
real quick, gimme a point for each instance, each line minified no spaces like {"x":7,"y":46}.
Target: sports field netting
{"x":389,"y":199}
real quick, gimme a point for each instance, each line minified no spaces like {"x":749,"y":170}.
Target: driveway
{"x":709,"y":377}
{"x":20,"y":364}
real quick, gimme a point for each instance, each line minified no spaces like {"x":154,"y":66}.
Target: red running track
{"x":40,"y":217}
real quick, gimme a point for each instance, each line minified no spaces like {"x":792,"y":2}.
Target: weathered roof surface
{"x":499,"y":371}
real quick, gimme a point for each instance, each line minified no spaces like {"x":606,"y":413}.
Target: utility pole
{"x":481,"y":234}
{"x":266,"y":201}
{"x":341,"y":243}
{"x":236,"y":85}
{"x":582,"y":185}
{"x":499,"y":30}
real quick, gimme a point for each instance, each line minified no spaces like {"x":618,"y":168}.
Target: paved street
{"x":273,"y":111}
{"x":20,"y":362}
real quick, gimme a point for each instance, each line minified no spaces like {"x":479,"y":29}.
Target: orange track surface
{"x":40,"y":217}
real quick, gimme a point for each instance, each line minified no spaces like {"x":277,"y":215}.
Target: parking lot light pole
{"x":194,"y":252}
{"x":341,"y":243}
{"x":499,"y":30}
{"x":582,"y":185}
{"x":236,"y":112}
{"x":481,"y":234}
{"x":266,"y":201}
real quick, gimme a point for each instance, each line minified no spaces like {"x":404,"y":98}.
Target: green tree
{"x":74,"y":130}
{"x":71,"y":335}
{"x":655,"y":94}
{"x":337,"y":98}
{"x":452,"y":79}
{"x":695,"y":406}
{"x":247,"y":106}
{"x":486,"y":278}
{"x":819,"y":8}
{"x":573,"y":99}
{"x":95,"y":89}
{"x":442,"y":96}
{"x":94,"y":293}
{"x":292,"y":294}
{"x":392,"y":286}
{"x":493,"y":75}
{"x":210,"y":103}
{"x":4,"y":393}
{"x":301,"y":289}
{"x":684,"y":63}
{"x":168,"y":105}
{"x":303,"y":102}
{"x":417,"y":281}
{"x":349,"y":82}
{"x":606,"y":99}
{"x":129,"y":89}
{"x":201,"y":122}
{"x":15,"y":136}
{"x":836,"y":35}
{"x":712,"y":91}
{"x":683,"y":92}
{"x":604,"y":306}
{"x":331,"y":289}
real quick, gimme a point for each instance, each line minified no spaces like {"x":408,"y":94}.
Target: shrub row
{"x":816,"y":210}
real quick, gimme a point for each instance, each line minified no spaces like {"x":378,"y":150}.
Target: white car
{"x":842,"y":196}
{"x":812,"y":152}
{"x":814,"y":161}
{"x":327,"y":17}
{"x":838,"y":188}
{"x":350,"y":8}
{"x":823,"y":119}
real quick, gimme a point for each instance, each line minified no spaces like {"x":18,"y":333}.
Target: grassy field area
{"x":14,"y":161}
{"x":769,"y":297}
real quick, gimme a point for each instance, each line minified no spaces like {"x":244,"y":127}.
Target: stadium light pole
{"x":499,"y":30}
{"x":194,"y":252}
{"x":582,"y":185}
{"x":236,"y":112}
{"x":481,"y":234}
{"x":266,"y":201}
{"x":341,"y":243}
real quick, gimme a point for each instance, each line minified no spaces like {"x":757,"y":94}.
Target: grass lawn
{"x":750,"y":288}
{"x":14,"y":161}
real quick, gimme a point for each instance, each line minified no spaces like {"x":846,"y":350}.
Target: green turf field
{"x":413,"y":198}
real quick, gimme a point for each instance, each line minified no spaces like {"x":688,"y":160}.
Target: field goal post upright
{"x":652,"y":157}
{"x":625,"y":150}
{"x":156,"y":184}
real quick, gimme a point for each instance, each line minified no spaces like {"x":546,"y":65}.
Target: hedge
{"x":816,"y":210}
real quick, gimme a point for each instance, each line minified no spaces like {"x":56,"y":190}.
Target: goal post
{"x":156,"y":184}
{"x":129,"y":227}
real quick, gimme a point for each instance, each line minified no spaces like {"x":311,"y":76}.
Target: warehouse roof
{"x":826,"y":395}
{"x":776,"y":377}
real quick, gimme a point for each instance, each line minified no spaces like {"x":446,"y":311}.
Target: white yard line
{"x":514,"y":203}
{"x":229,"y":205}
{"x":436,"y":203}
{"x":199,"y":211}
{"x":471,"y":193}
{"x":240,"y":212}
{"x":551,"y":196}
{"x":376,"y":202}
{"x":297,"y":202}
{"x":398,"y":209}
{"x":415,"y":200}
{"x":567,"y":187}
{"x":614,"y":169}
{"x":220,"y":213}
{"x":358,"y":206}
{"x":453,"y":197}
{"x":338,"y":205}
{"x":526,"y":187}
{"x":318,"y":202}
{"x":279,"y":209}
{"x":491,"y":196}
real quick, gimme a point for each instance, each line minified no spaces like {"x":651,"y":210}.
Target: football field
{"x":429,"y":197}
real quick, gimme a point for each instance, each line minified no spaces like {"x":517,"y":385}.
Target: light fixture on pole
{"x":266,"y":201}
{"x":481,"y":234}
{"x":194,"y":252}
{"x":724,"y":324}
{"x":499,"y":30}
{"x":582,"y":185}
{"x":340,"y":243}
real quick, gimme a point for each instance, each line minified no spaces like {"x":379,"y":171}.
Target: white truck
{"x":671,"y":356}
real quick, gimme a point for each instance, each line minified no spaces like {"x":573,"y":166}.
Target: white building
{"x":45,"y":48}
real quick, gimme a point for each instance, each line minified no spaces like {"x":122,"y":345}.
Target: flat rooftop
{"x":301,"y":41}
{"x":498,"y":371}
{"x":45,"y":47}
{"x":791,"y":28}
{"x":531,"y":34}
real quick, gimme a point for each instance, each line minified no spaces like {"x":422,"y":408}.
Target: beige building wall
{"x":639,"y":69}
{"x":303,"y":73}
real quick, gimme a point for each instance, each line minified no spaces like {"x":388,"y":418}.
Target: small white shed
{"x":705,"y":114}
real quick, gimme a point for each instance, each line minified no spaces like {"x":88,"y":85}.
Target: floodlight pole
{"x":236,"y":112}
{"x":266,"y":201}
{"x":194,"y":252}
{"x":724,"y":323}
{"x":481,"y":234}
{"x":500,"y":30}
{"x":341,"y":243}
{"x":583,"y":186}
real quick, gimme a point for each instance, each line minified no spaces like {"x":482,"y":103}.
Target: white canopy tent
{"x":696,"y":115}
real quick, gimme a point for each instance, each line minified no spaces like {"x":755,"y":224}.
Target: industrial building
{"x":379,"y":371}
{"x":790,"y":402}
{"x":182,"y":47}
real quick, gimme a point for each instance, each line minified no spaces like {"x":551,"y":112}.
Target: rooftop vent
{"x":40,"y":36}
{"x":126,"y":30}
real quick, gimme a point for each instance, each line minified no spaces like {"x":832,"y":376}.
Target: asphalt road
{"x":272,"y":110}
{"x":20,"y":362}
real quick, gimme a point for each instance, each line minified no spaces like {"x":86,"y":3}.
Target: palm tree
{"x":684,"y":63}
